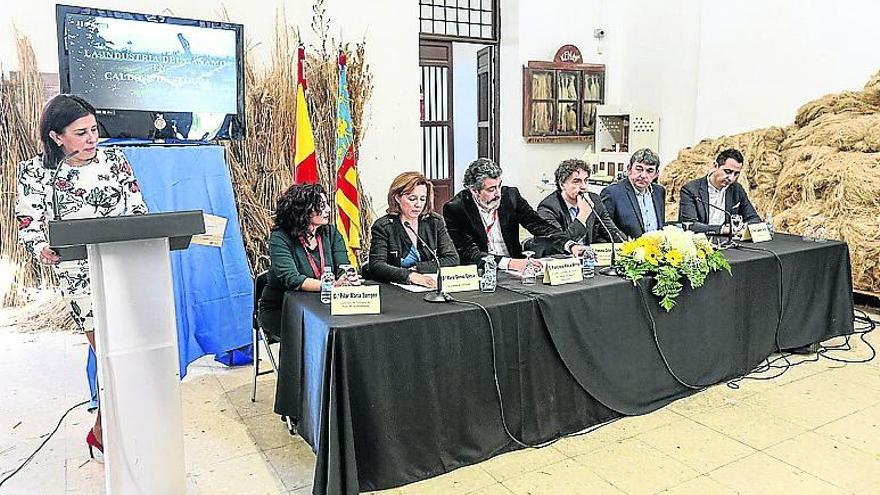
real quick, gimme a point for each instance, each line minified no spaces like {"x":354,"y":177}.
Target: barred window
{"x":473,"y":20}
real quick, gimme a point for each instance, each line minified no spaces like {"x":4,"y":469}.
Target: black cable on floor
{"x":846,"y":346}
{"x":45,"y":441}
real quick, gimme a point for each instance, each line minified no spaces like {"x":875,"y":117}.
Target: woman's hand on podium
{"x":48,"y":256}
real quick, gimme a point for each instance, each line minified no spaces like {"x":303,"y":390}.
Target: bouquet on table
{"x":668,"y":255}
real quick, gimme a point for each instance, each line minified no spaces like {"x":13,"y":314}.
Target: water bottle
{"x":769,"y":220}
{"x":588,"y":262}
{"x":490,"y":275}
{"x":327,"y":281}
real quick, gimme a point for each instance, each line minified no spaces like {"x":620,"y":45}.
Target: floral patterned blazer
{"x":104,"y":187}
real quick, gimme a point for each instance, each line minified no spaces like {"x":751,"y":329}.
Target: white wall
{"x":392,"y":140}
{"x":761,"y":60}
{"x":464,"y":108}
{"x":534,"y":31}
{"x":652,"y":53}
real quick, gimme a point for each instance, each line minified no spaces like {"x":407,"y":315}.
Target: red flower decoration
{"x":133,"y":187}
{"x":24,"y":222}
{"x":79,"y":192}
{"x":63,"y":184}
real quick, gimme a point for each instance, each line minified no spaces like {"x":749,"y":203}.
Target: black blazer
{"x":691,"y":210}
{"x":554,"y":209}
{"x":623,"y":207}
{"x":390,"y":243}
{"x":469,"y":235}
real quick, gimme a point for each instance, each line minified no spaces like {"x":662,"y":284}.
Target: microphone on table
{"x":727,"y":215}
{"x":610,"y":270}
{"x":439,"y":296}
{"x":57,"y":167}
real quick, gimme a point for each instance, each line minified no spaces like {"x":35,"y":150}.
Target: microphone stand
{"x":728,"y":218}
{"x":433,"y":297}
{"x":610,"y":270}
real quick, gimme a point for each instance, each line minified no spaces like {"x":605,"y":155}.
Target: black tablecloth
{"x":408,"y":394}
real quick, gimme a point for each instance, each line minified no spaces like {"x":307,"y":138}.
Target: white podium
{"x":136,"y":342}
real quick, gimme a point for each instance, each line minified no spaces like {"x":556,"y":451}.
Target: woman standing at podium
{"x":301,"y":244}
{"x":72,"y":178}
{"x":396,"y":252}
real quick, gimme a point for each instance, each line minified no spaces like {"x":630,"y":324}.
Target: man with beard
{"x":485,"y":217}
{"x":721,"y":190}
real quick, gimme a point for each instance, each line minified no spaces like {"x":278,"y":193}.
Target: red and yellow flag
{"x":348,"y":216}
{"x":305,"y":161}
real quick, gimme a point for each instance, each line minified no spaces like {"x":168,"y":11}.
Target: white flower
{"x":680,"y":240}
{"x":639,"y":254}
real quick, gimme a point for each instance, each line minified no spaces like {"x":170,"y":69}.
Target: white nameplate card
{"x":460,"y":278}
{"x":603,"y":252}
{"x":756,"y":232}
{"x":563,"y":271}
{"x":215,"y":228}
{"x":355,"y":300}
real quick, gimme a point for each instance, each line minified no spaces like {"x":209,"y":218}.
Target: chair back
{"x":260,"y":282}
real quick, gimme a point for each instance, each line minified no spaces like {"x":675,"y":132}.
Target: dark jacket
{"x":692,"y":210}
{"x":390,"y":243}
{"x":623,"y":207}
{"x":289,"y":266}
{"x":554,"y":209}
{"x":469,"y":235}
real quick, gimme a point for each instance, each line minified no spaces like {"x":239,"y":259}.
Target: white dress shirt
{"x":716,"y":198}
{"x":496,"y":244}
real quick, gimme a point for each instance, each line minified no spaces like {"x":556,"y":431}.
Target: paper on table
{"x":519,"y":274}
{"x":416,"y":288}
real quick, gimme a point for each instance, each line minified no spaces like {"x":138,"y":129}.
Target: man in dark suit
{"x":636,"y":204}
{"x":721,"y":190}
{"x":575,"y":210}
{"x":485,"y":217}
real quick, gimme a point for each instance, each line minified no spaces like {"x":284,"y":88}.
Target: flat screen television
{"x":153,"y":76}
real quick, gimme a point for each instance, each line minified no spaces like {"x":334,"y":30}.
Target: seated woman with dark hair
{"x":396,"y":253}
{"x":300,"y":246}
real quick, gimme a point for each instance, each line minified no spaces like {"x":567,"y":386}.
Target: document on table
{"x":416,"y":288}
{"x":540,"y":272}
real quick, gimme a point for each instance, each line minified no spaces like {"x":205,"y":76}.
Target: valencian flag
{"x":306,"y":171}
{"x":348,"y":216}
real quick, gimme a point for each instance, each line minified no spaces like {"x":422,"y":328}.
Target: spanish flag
{"x":306,"y":171}
{"x":348,"y":216}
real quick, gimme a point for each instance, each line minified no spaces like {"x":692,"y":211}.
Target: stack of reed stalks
{"x":820,"y":174}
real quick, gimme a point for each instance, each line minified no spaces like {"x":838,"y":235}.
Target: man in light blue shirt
{"x":636,"y":204}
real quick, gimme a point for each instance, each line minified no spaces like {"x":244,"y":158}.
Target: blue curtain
{"x":213,"y":288}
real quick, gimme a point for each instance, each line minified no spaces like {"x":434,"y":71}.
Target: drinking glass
{"x":529,"y":275}
{"x":736,"y":222}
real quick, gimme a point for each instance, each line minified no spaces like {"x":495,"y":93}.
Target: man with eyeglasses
{"x":721,"y":190}
{"x":636,"y":205}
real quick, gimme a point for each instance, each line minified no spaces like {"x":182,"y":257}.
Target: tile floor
{"x":816,"y":429}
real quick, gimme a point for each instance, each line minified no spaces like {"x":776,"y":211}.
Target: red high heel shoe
{"x":92,"y":442}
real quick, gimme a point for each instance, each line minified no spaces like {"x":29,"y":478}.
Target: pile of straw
{"x":823,"y":172}
{"x":21,"y":100}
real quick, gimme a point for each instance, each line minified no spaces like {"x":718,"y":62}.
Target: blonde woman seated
{"x":396,"y":253}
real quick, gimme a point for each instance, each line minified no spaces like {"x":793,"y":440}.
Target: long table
{"x":408,"y":394}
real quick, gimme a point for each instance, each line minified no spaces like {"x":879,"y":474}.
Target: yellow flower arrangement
{"x":668,"y":255}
